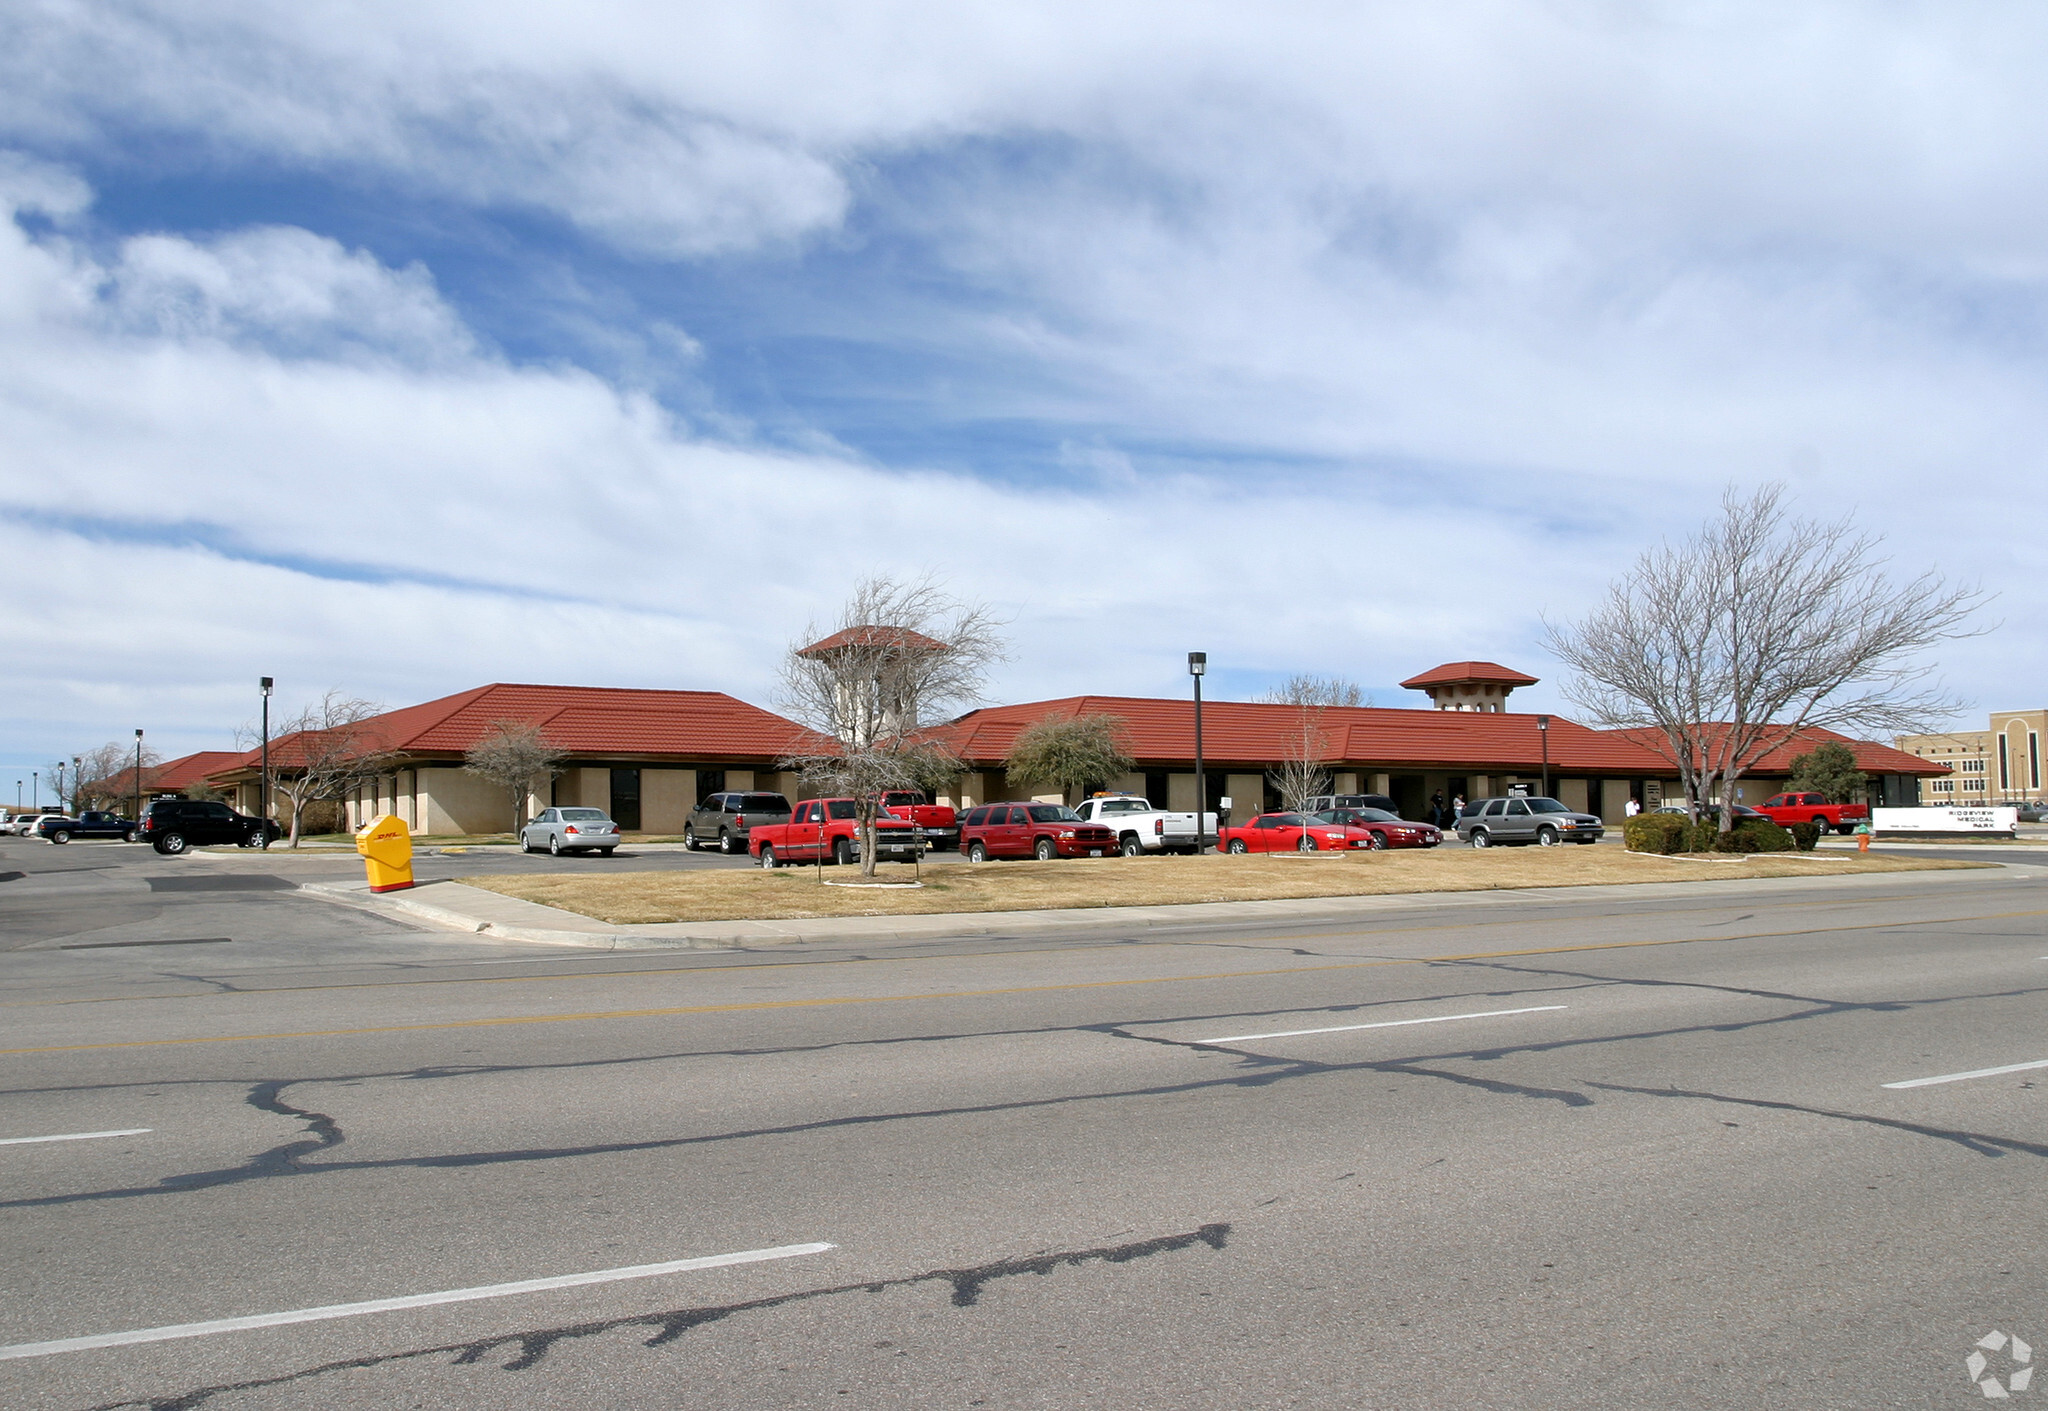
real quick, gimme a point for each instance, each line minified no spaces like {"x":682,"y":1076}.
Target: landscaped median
{"x":629,"y":898}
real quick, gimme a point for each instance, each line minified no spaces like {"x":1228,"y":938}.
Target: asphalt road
{"x":1631,"y":1148}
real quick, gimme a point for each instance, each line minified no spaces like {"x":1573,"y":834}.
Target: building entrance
{"x":626,"y":799}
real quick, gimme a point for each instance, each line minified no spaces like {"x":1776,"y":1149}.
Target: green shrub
{"x":1736,"y":840}
{"x":1655,"y":832}
{"x":1806,"y":835}
{"x":1703,"y":836}
{"x":1769,"y":836}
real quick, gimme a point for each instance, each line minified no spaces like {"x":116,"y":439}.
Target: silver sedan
{"x":561,"y":830}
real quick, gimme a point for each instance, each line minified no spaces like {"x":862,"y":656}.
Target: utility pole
{"x":1543,"y":733}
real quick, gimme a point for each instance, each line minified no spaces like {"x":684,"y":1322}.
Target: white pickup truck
{"x":1139,"y":827}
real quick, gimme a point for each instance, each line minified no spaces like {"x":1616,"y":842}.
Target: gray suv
{"x":1543,"y":821}
{"x":724,"y":820}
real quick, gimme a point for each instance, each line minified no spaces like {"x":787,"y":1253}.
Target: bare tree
{"x":902,"y":651}
{"x":1088,"y":749}
{"x":510,"y":755}
{"x":1721,"y":648}
{"x":1302,"y":689}
{"x":326,"y":751}
{"x":1305,"y":771}
{"x":107,"y":777}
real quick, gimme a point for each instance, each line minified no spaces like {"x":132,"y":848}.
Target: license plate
{"x":1095,"y":852}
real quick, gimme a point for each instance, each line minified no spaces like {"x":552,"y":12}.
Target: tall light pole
{"x":1543,"y":734}
{"x":1198,"y":667}
{"x":263,"y":783}
{"x":77,"y":780}
{"x":35,"y":789}
{"x":62,"y":807}
{"x":138,"y":776}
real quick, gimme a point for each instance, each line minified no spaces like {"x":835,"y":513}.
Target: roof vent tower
{"x":1469,"y":685}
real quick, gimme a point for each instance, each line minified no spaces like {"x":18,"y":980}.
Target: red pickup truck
{"x":830,"y":829}
{"x":1788,"y":809}
{"x":939,"y":824}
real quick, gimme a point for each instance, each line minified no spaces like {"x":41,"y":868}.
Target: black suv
{"x":172,"y":825}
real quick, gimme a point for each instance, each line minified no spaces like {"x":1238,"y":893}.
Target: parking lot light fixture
{"x":1543,"y":734}
{"x":263,"y":774}
{"x":1198,"y":667}
{"x":138,"y":776}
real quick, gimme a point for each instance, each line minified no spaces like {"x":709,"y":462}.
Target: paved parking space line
{"x":1973,"y":1073}
{"x":74,"y":1136}
{"x":1382,"y":1024}
{"x":415,"y":1300}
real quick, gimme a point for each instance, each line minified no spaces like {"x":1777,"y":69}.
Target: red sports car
{"x":1291,"y":832}
{"x":1389,"y":830}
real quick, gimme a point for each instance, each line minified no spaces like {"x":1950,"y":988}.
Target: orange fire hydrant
{"x":1863,"y":837}
{"x":386,"y":846}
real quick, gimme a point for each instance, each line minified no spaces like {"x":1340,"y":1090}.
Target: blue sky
{"x":404,"y":347}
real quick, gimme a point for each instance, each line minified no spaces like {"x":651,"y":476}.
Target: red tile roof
{"x":1238,"y":732}
{"x":1455,"y":671}
{"x":1871,"y":757}
{"x":871,"y":637}
{"x":176,"y":775}
{"x":581,"y":720}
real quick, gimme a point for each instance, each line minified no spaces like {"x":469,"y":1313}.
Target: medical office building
{"x":647,"y":757}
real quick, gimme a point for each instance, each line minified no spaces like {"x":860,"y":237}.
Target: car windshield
{"x":1373,"y":815}
{"x":1288,"y":820}
{"x":1547,"y":806}
{"x":1124,"y":806}
{"x":578,"y":815}
{"x":1053,"y":813}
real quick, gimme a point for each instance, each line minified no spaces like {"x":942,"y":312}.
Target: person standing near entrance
{"x":1436,"y":808}
{"x":1457,"y":808}
{"x":1632,"y":807}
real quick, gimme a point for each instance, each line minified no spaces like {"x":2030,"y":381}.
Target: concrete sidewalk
{"x":491,"y":915}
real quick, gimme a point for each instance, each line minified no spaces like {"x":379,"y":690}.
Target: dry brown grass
{"x":794,"y":893}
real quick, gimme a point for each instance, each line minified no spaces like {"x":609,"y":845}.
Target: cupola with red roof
{"x":1469,"y":685}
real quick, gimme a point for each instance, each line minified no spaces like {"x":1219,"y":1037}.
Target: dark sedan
{"x":1389,"y":830}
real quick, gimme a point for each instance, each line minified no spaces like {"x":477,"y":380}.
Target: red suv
{"x":1041,"y":830}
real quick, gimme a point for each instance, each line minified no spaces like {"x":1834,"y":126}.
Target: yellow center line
{"x":755,"y":1005}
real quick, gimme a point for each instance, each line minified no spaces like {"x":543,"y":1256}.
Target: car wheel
{"x":842,"y":853}
{"x":1305,"y":844}
{"x":129,"y":836}
{"x":1546,"y":837}
{"x":60,"y":836}
{"x":1480,"y":840}
{"x":1237,"y":845}
{"x":1130,"y":846}
{"x":1379,"y":842}
{"x":689,"y":838}
{"x":976,"y":852}
{"x":604,"y":852}
{"x":1043,"y":850}
{"x":768,"y":857}
{"x":525,"y":843}
{"x":554,"y":845}
{"x":725,"y":842}
{"x":171,"y":844}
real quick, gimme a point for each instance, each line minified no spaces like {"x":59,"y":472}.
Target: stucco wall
{"x":455,"y":801}
{"x":666,"y":797}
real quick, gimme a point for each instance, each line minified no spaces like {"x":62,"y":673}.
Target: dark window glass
{"x":1053,"y":813}
{"x":841,"y":808}
{"x":709,"y":782}
{"x":1518,"y":808}
{"x":764,"y":803}
{"x":1547,"y":806}
{"x":626,"y":797}
{"x":1495,"y":807}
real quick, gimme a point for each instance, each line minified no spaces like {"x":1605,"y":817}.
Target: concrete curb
{"x":491,"y":916}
